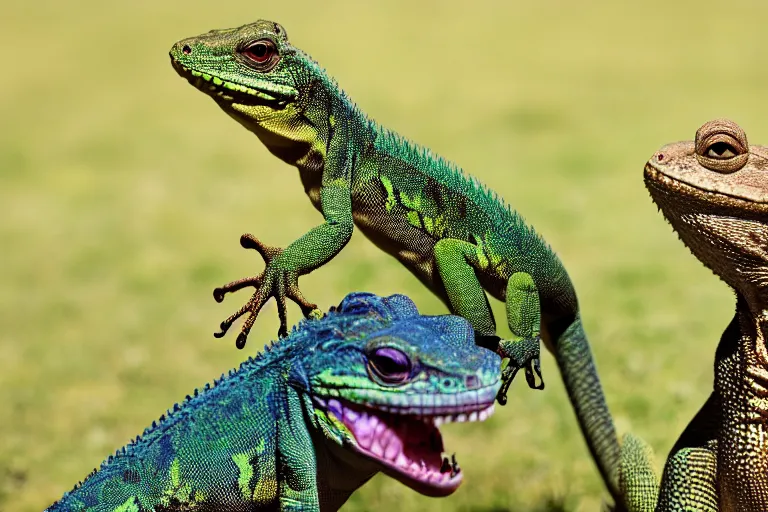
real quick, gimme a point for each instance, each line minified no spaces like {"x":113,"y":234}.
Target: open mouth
{"x":222,"y":90}
{"x":409,"y":446}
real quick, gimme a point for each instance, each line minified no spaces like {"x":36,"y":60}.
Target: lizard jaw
{"x":230,"y":92}
{"x":408,"y":447}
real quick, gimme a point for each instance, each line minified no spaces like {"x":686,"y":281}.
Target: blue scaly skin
{"x":311,"y":419}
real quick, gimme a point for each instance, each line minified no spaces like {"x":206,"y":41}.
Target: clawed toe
{"x":276,"y":281}
{"x":522,"y":355}
{"x":532,"y":371}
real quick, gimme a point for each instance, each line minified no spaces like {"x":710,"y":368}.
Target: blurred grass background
{"x":123,"y":192}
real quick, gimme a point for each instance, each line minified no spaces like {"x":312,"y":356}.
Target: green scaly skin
{"x":460,"y":239}
{"x":310,"y":420}
{"x":714,"y":193}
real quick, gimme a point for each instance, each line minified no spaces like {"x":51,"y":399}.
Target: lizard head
{"x":384,"y":394}
{"x":252,"y":72}
{"x":269,"y":86}
{"x":249,"y":66}
{"x":714,"y":192}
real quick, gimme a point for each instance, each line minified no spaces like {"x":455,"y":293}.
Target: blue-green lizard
{"x":315,"y":416}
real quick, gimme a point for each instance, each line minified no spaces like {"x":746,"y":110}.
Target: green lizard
{"x":311,"y":419}
{"x":459,"y":238}
{"x":714,"y":193}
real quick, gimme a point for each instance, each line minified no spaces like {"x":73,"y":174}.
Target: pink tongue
{"x":403,"y":442}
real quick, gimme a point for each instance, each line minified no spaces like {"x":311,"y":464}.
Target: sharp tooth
{"x":350,"y":414}
{"x":455,"y":469}
{"x":402,"y":460}
{"x":437,"y":421}
{"x":473,"y":416}
{"x":483,"y":415}
{"x":377,"y":449}
{"x":393,"y":452}
{"x":414,"y":467}
{"x":423,"y":466}
{"x":461,"y":418}
{"x":385,"y":437}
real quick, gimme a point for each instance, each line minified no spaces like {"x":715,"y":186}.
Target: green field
{"x":123,"y":192}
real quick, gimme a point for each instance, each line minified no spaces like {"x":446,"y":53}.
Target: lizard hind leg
{"x":266,"y":286}
{"x":524,"y":317}
{"x":456,"y":263}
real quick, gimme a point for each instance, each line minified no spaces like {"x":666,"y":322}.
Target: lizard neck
{"x":752,"y":372}
{"x":340,"y":471}
{"x":312,"y":133}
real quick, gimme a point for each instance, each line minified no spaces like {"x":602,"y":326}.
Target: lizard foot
{"x":522,"y":354}
{"x":275,"y":281}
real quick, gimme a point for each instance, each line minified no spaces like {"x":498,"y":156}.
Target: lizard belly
{"x":743,"y":443}
{"x":411,"y":246}
{"x":414,"y":248}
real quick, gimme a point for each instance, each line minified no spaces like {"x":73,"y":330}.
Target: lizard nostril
{"x":660,"y":157}
{"x":471,"y":381}
{"x":186,"y":50}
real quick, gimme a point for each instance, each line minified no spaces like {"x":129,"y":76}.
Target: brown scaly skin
{"x":714,"y":192}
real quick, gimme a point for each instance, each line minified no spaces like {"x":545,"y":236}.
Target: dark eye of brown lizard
{"x":721,"y":146}
{"x":721,"y":151}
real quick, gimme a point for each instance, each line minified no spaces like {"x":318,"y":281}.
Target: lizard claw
{"x":522,"y":354}
{"x":533,"y":370}
{"x":507,"y":376}
{"x":275,"y":281}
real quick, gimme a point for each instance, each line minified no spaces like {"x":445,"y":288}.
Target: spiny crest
{"x":317,"y":70}
{"x":451,"y":175}
{"x":318,"y":330}
{"x":271,"y":352}
{"x":503,"y":217}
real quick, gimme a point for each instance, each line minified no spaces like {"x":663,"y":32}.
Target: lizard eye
{"x":390,"y":364}
{"x":261,"y":55}
{"x":721,"y":145}
{"x":721,"y":151}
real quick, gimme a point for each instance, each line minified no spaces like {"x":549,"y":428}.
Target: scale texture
{"x":714,"y":193}
{"x":459,"y":238}
{"x":315,"y":416}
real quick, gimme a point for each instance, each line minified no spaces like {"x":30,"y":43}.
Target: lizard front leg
{"x":456,"y":262}
{"x":296,"y":457}
{"x":690,"y":473}
{"x":638,"y":483}
{"x":284,"y":266}
{"x":688,"y":482}
{"x":297,"y":476}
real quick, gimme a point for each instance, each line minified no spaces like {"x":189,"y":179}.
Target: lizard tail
{"x":579,"y":373}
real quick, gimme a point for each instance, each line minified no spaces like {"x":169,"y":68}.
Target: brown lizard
{"x":714,"y":193}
